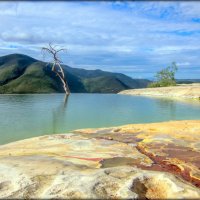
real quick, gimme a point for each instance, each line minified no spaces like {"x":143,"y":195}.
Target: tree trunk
{"x":57,"y":68}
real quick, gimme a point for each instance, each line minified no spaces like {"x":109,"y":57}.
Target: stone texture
{"x":159,"y":160}
{"x":191,"y":91}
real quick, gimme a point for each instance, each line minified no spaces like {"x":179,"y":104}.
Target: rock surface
{"x":159,"y":160}
{"x":191,"y":91}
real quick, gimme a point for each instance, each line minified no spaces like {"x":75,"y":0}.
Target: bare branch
{"x":61,"y":50}
{"x":48,"y":50}
{"x":57,"y":62}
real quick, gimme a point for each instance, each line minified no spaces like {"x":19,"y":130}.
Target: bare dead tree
{"x":56,"y":65}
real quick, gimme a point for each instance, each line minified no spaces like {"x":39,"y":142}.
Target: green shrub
{"x":153,"y":84}
{"x":165,"y":77}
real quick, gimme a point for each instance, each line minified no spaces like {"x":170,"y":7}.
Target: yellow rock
{"x":159,"y":160}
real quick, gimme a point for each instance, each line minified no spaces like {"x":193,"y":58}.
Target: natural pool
{"x":25,"y":116}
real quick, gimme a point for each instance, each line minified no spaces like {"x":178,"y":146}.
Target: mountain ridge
{"x":20,"y":73}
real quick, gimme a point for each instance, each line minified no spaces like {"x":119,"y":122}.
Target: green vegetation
{"x":105,"y":84}
{"x":165,"y":77}
{"x":23,"y":74}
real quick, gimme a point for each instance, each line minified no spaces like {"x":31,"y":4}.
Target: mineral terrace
{"x":188,"y":91}
{"x":159,"y":160}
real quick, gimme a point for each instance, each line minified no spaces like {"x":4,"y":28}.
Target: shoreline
{"x":186,"y":91}
{"x":121,"y":162}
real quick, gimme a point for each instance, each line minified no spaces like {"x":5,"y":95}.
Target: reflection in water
{"x":59,"y":114}
{"x":25,"y":116}
{"x":170,"y":104}
{"x":66,"y":100}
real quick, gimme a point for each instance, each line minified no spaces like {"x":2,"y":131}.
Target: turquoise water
{"x":24,"y":116}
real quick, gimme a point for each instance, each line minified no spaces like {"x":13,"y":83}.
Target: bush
{"x":153,"y":84}
{"x":165,"y":77}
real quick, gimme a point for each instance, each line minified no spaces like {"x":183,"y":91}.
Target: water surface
{"x":25,"y":116}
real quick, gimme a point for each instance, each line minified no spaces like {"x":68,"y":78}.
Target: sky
{"x":137,"y":38}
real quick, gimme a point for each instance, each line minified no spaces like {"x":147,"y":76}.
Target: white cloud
{"x":106,"y":34}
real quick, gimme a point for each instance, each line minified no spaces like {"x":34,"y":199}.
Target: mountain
{"x":187,"y":81}
{"x":22,"y":74}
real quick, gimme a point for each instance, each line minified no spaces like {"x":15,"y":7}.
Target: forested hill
{"x":22,"y":74}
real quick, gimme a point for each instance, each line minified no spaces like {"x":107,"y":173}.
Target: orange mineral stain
{"x":162,"y":163}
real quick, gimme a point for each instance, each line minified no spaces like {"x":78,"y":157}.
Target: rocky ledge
{"x":191,"y":91}
{"x":158,"y":160}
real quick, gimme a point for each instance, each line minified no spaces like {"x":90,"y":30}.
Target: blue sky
{"x":135,"y":38}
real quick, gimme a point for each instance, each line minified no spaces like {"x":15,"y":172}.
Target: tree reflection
{"x":58,"y":115}
{"x":170,"y":105}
